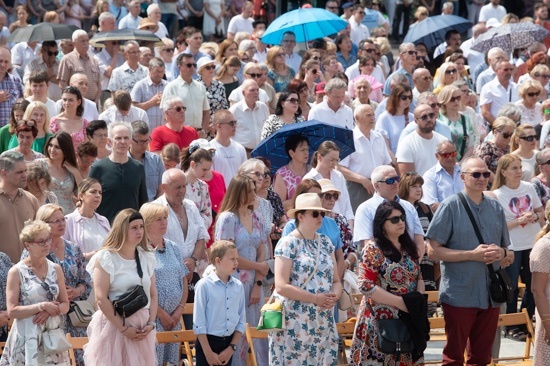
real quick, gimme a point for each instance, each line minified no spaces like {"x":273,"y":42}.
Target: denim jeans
{"x":169,"y":20}
{"x":520,"y":266}
{"x":405,"y":12}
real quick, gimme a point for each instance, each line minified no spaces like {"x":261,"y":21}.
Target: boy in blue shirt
{"x":219,"y":316}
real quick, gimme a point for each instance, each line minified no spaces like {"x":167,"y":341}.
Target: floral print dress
{"x":376,"y":270}
{"x":310,"y":337}
{"x":198,"y":193}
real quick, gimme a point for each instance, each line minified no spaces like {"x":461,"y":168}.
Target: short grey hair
{"x":509,"y":110}
{"x":448,"y":5}
{"x":105,"y":15}
{"x":423,"y":97}
{"x":169,"y":174}
{"x":250,"y":164}
{"x":397,"y":79}
{"x":403,"y":46}
{"x":140,"y":128}
{"x":335,"y":84}
{"x":442,"y":144}
{"x":156,"y":62}
{"x":111,"y":127}
{"x":152,"y":7}
{"x":130,"y":43}
{"x":361,"y":109}
{"x":168,"y":102}
{"x":380,"y":171}
{"x":262,"y":66}
{"x":543,"y":156}
{"x":78,"y":33}
{"x":8,"y":159}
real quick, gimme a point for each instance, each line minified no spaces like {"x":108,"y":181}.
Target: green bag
{"x":271,"y":320}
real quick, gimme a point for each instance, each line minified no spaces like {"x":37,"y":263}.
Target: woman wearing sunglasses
{"x":445,"y":75}
{"x":308,"y":283}
{"x":287,"y":112}
{"x":309,"y":74}
{"x":215,"y":91}
{"x":524,"y":217}
{"x":396,"y":116}
{"x":530,"y":92}
{"x":462,"y":128}
{"x":390,"y":251}
{"x":524,"y":145}
{"x":542,"y":181}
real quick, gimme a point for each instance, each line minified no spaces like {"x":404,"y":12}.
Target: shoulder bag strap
{"x":138,"y":264}
{"x":464,"y":136}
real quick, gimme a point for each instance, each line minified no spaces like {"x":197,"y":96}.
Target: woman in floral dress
{"x":196,"y":162}
{"x":309,"y":287}
{"x":238,"y":223}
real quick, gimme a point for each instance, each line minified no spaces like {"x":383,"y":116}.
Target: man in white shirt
{"x":123,"y":110}
{"x":229,"y":153}
{"x":422,"y":80}
{"x":261,"y":48}
{"x":332,"y":110}
{"x":494,"y":55}
{"x":242,"y":22}
{"x":358,"y":31}
{"x":499,"y":91}
{"x":492,"y":10}
{"x":250,"y":114}
{"x":452,"y":38}
{"x":251,"y":71}
{"x":416,"y":151}
{"x":39,"y":83}
{"x":370,"y":151}
{"x":21,"y":54}
{"x":292,"y":59}
{"x":130,"y":72}
{"x":132,"y":19}
{"x":475,"y":58}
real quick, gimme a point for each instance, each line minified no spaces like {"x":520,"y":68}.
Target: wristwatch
{"x":153,"y":324}
{"x":259,"y":283}
{"x":233,"y":346}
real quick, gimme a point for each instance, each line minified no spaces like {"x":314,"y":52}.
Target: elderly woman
{"x":37,"y":112}
{"x":215,"y":90}
{"x":524,"y":145}
{"x":462,"y":128}
{"x":307,"y":282}
{"x":287,"y":112}
{"x":280,"y":73}
{"x":69,"y":257}
{"x":531,"y":112}
{"x":26,"y":133}
{"x":85,"y":227}
{"x":36,"y":298}
{"x":38,"y":183}
{"x":70,"y":118}
{"x":446,"y":75}
{"x":542,"y":181}
{"x":171,"y":278}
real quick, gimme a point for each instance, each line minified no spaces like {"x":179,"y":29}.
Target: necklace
{"x":299,"y":175}
{"x":40,"y":275}
{"x":159,"y":248}
{"x":303,"y":236}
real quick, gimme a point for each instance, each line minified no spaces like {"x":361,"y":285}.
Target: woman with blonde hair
{"x":280,"y":74}
{"x":541,"y":73}
{"x":530,"y":92}
{"x":420,"y":14}
{"x":38,"y":183}
{"x":123,"y":262}
{"x":490,"y":151}
{"x":227,"y":74}
{"x":445,"y":75}
{"x":38,"y":112}
{"x":524,"y":145}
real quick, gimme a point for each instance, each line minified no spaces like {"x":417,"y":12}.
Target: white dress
{"x":209,"y":26}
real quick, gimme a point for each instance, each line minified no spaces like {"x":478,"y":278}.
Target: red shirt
{"x":162,"y":136}
{"x":546,"y":25}
{"x":216,"y":188}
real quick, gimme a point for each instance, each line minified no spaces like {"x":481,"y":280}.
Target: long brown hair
{"x":237,"y":193}
{"x":394,"y":98}
{"x":323,"y":150}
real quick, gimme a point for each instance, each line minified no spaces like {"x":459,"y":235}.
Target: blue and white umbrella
{"x":431,"y":31}
{"x":510,"y":36}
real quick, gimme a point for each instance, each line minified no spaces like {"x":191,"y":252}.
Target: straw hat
{"x":327,"y":186}
{"x":146,"y":22}
{"x":306,"y":201}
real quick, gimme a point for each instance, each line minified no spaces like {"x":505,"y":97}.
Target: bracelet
{"x":505,"y":252}
{"x":125,"y":329}
{"x":194,"y":259}
{"x":182,"y":306}
{"x":40,"y":307}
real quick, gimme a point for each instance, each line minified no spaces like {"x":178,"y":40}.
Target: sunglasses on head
{"x":315,"y":214}
{"x":530,"y":138}
{"x":450,"y":71}
{"x":254,"y":75}
{"x":396,"y":219}
{"x":424,"y":117}
{"x":533,"y":94}
{"x":477,"y":175}
{"x":448,"y":155}
{"x":390,"y":180}
{"x":329,"y":196}
{"x":456,"y":99}
{"x":405,"y":97}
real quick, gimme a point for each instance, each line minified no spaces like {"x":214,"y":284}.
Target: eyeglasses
{"x":506,"y":135}
{"x":447,"y":155}
{"x":257,"y":174}
{"x":52,"y":53}
{"x":168,"y":50}
{"x":315,"y":214}
{"x":267,"y":175}
{"x":435,"y":105}
{"x":535,"y":94}
{"x":293,"y":100}
{"x":209,"y":67}
{"x":456,"y":99}
{"x":477,"y":175}
{"x":545,"y":76}
{"x":100,"y":135}
{"x":410,"y":52}
{"x":450,"y":71}
{"x":390,"y":180}
{"x":530,"y":138}
{"x":329,"y":196}
{"x":254,"y":75}
{"x":42,"y":243}
{"x":230,"y":123}
{"x":57,"y":222}
{"x":424,"y":117}
{"x":426,"y":78}
{"x":190,"y":65}
{"x":178,"y":108}
{"x":142,"y":142}
{"x":405,"y":97}
{"x":396,"y":219}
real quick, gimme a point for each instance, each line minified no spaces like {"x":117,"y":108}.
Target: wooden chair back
{"x":505,"y":320}
{"x":251,"y":334}
{"x":77,"y":343}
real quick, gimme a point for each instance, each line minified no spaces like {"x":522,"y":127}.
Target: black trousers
{"x":218,"y":344}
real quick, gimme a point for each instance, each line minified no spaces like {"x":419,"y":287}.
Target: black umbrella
{"x":126,"y":34}
{"x":42,"y":32}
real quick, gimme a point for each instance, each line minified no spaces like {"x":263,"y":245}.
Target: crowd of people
{"x":126,"y":165}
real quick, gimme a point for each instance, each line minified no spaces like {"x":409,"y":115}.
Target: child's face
{"x":227,"y":265}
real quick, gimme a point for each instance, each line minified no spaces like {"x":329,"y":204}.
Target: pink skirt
{"x":107,"y":346}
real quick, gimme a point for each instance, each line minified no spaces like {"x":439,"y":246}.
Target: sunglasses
{"x":424,"y":117}
{"x":314,"y":71}
{"x":54,"y":53}
{"x":426,"y":78}
{"x":254,"y":75}
{"x":316,"y":58}
{"x":410,"y":52}
{"x":390,"y":180}
{"x":329,"y":196}
{"x":405,"y":97}
{"x":450,"y":71}
{"x":456,"y":99}
{"x":506,"y":135}
{"x":315,"y":214}
{"x":434,"y":105}
{"x":396,"y":219}
{"x":546,"y":163}
{"x":528,"y":138}
{"x":209,"y":67}
{"x":230,"y":123}
{"x":179,"y":108}
{"x":190,"y":65}
{"x":535,"y":94}
{"x":293,"y":100}
{"x":477,"y":175}
{"x":448,"y":155}
{"x":546,"y":76}
{"x":46,"y":288}
{"x":257,"y":174}
{"x":369,"y":50}
{"x":42,"y":243}
{"x":168,"y":50}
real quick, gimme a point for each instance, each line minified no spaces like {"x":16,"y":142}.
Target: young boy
{"x":219,"y":317}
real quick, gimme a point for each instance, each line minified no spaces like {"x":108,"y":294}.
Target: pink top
{"x":78,"y":137}
{"x":290,"y":179}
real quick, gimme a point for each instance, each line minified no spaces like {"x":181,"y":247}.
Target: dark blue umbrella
{"x":273,"y":148}
{"x":431,"y":31}
{"x":307,"y":24}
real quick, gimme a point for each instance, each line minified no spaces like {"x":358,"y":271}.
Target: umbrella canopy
{"x":510,"y":36}
{"x":126,"y":34}
{"x":431,"y":31}
{"x":273,"y":148}
{"x":42,"y":32}
{"x":307,"y":24}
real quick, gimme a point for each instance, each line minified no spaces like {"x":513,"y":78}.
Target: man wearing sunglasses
{"x":416,"y":151}
{"x":358,"y":30}
{"x":365,"y":47}
{"x":407,"y":58}
{"x":499,"y":91}
{"x":46,"y":61}
{"x":443,"y":179}
{"x":386,"y":184}
{"x":470,"y":315}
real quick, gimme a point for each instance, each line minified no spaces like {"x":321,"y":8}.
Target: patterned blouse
{"x":78,"y":137}
{"x":216,"y":96}
{"x":198,"y":193}
{"x":279,"y":81}
{"x":274,"y":122}
{"x":277,"y":204}
{"x":543,"y":191}
{"x":5,"y":265}
{"x":491,"y":153}
{"x":345,"y":234}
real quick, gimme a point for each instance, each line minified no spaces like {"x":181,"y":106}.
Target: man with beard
{"x":416,"y":152}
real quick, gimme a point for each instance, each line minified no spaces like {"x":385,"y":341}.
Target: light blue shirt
{"x":329,"y":227}
{"x":387,"y":89}
{"x":219,"y":307}
{"x":119,"y":12}
{"x":176,"y":71}
{"x":154,"y":168}
{"x":440,"y":128}
{"x":364,"y":218}
{"x":438,"y":184}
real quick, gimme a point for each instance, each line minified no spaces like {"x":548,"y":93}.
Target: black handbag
{"x":394,"y":337}
{"x":500,"y":287}
{"x":132,"y":301}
